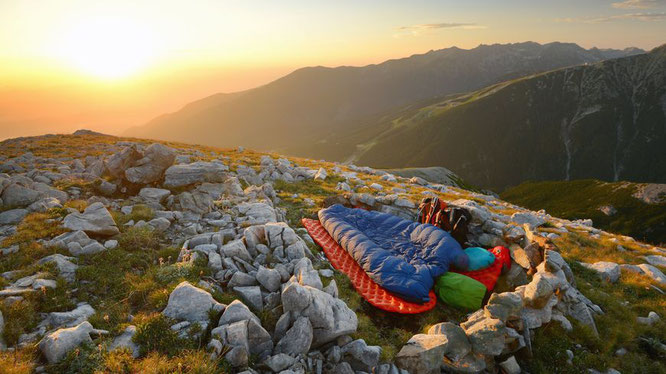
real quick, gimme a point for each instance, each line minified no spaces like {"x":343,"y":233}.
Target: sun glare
{"x":108,"y":48}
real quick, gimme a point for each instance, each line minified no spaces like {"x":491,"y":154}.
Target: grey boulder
{"x":196,"y":172}
{"x":95,"y":220}
{"x":189,"y":303}
{"x":12,"y":216}
{"x":149,"y":169}
{"x":57,"y":344}
{"x":298,"y":338}
{"x":422,"y":354}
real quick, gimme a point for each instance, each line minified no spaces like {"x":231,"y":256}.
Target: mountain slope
{"x":605,"y":121}
{"x":615,"y":207}
{"x":307,"y":104}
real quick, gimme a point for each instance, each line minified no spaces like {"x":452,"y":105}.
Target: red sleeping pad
{"x":489,"y":275}
{"x":366,"y":287}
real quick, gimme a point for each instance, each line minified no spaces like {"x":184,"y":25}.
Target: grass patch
{"x":140,"y":212}
{"x":155,"y":335}
{"x":35,"y":226}
{"x":21,"y":361}
{"x":20,"y":317}
{"x":85,"y":359}
{"x":139,"y":239}
{"x":188,"y":361}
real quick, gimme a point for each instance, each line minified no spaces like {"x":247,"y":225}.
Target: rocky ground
{"x":124,"y":255}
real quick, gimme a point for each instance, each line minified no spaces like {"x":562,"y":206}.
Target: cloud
{"x":416,"y":30}
{"x":443,"y":25}
{"x":643,"y":17}
{"x":639,"y":4}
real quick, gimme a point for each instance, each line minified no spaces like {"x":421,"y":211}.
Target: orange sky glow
{"x":110,"y":65}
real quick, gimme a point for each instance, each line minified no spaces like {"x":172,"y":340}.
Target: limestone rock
{"x":330,"y":317}
{"x":321,"y":174}
{"x":156,"y":159}
{"x":121,"y":161}
{"x":154,"y":194}
{"x":279,"y":362}
{"x":71,"y":318}
{"x":656,"y":260}
{"x":197,"y":172}
{"x":57,"y":344}
{"x":298,"y":338}
{"x":422,"y":354}
{"x":95,"y":220}
{"x":607,"y":271}
{"x":252,"y":296}
{"x":538,"y":291}
{"x":270,"y":279}
{"x":124,"y":340}
{"x":189,"y":303}
{"x":66,"y":268}
{"x":487,"y":336}
{"x":361,"y":356}
{"x":12,"y":216}
{"x":504,"y":306}
{"x":510,"y":366}
{"x":18,"y":195}
{"x":528,"y":257}
{"x":236,"y":248}
{"x":527,"y":218}
{"x":458,"y":345}
{"x":236,"y":311}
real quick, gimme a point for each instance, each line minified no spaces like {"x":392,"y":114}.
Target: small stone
{"x":298,"y":338}
{"x":510,"y":366}
{"x":650,"y":320}
{"x":607,"y":271}
{"x":124,"y":340}
{"x":270,"y":279}
{"x":252,"y":296}
{"x":279,"y":362}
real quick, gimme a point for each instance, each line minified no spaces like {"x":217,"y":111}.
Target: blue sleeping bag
{"x":403,"y":257}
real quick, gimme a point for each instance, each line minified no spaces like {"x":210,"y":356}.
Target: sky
{"x":110,"y":65}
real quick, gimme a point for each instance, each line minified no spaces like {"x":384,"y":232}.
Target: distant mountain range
{"x":419,"y":105}
{"x":311,"y":102}
{"x":605,"y":121}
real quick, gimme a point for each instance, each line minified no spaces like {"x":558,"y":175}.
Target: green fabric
{"x":460,"y":291}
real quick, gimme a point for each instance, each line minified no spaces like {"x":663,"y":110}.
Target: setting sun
{"x":108,"y":48}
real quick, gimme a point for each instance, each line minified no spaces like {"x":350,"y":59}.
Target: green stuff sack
{"x":460,"y":291}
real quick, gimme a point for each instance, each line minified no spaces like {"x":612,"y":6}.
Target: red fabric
{"x":366,"y":287}
{"x":489,"y":275}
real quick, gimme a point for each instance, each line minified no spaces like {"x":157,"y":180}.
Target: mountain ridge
{"x":603,"y":121}
{"x":306,"y":104}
